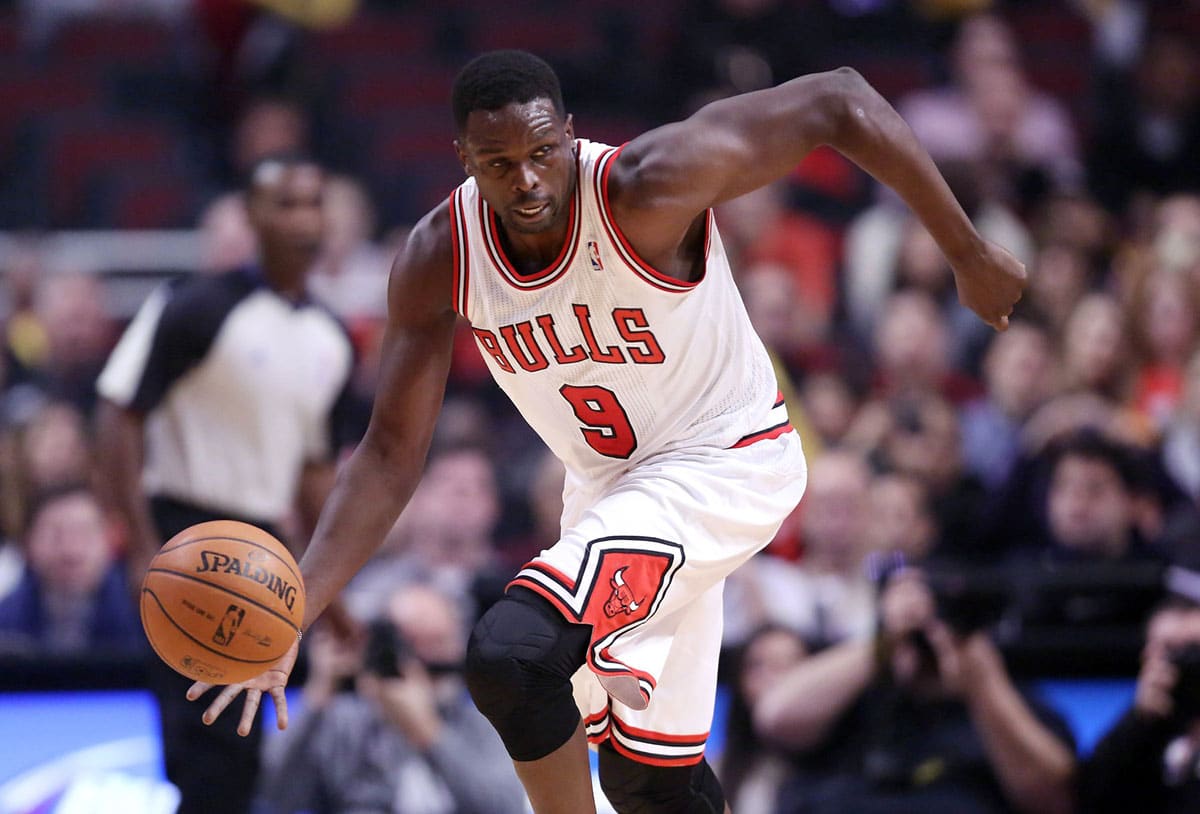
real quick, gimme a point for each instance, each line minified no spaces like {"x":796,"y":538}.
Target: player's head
{"x":499,"y":78}
{"x":284,"y":202}
{"x":515,"y":138}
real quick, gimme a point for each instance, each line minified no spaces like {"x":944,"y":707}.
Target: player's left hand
{"x":272,"y":682}
{"x":990,"y":283}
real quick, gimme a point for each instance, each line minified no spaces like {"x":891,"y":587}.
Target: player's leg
{"x":520,"y":660}
{"x":639,"y":788}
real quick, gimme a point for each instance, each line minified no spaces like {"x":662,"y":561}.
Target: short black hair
{"x":498,"y":78}
{"x":46,"y":496}
{"x":1091,"y":444}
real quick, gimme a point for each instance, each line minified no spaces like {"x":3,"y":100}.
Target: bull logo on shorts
{"x":621,"y":600}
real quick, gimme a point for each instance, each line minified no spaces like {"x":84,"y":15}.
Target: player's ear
{"x":569,"y":129}
{"x":462,"y":156}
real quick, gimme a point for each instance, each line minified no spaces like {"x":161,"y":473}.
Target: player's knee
{"x":518,"y":670}
{"x":638,"y":788}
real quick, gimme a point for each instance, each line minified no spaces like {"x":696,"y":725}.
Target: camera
{"x":970,"y":600}
{"x":1186,"y":694}
{"x":386,"y":650}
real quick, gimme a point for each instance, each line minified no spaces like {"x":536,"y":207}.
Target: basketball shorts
{"x":643,"y":560}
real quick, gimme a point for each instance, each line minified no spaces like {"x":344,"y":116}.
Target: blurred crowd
{"x":983,"y":507}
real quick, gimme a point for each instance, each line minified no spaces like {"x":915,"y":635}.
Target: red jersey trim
{"x":655,"y":748}
{"x":545,"y":593}
{"x":617,"y":238}
{"x":462,"y":255}
{"x":764,"y":435}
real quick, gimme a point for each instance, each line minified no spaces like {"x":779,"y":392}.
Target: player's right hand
{"x":273,"y":681}
{"x":990,"y":283}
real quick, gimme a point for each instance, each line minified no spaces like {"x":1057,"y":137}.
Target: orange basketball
{"x":222,"y":601}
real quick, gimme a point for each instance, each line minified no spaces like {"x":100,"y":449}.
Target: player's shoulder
{"x":430,"y":245}
{"x":421,"y":276}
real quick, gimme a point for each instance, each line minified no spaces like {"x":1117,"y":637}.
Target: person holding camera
{"x":388,"y":726}
{"x":922,"y":718}
{"x":1149,"y":761}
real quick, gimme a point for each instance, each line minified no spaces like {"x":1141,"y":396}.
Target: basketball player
{"x":598,"y":290}
{"x":219,"y":402}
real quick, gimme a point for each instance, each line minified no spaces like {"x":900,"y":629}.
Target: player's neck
{"x":530,"y":253}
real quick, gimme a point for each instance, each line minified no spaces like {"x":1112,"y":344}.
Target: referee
{"x":226,"y":397}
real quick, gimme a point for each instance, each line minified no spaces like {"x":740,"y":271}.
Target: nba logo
{"x":594,"y":256}
{"x":229,"y":625}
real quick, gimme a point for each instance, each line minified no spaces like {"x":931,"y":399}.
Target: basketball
{"x":222,"y":601}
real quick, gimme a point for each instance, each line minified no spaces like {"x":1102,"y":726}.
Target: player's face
{"x":522,"y":157}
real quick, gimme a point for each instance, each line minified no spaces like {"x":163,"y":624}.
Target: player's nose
{"x":525,"y":177}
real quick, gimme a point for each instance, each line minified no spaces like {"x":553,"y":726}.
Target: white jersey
{"x":610,"y":361}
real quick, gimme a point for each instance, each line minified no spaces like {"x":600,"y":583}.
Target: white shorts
{"x":643,"y":560}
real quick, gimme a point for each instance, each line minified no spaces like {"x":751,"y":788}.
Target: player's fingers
{"x":249,"y":710}
{"x":198,"y":689}
{"x":220,"y":702}
{"x":281,"y":714}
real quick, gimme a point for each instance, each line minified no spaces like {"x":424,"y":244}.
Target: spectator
{"x":408,"y":741}
{"x":762,"y":228}
{"x":794,"y":336}
{"x":351,"y":273}
{"x":1164,"y":317}
{"x":444,"y":538}
{"x":874,"y":237}
{"x":902,"y":521}
{"x":1146,"y":762}
{"x":911,"y":349}
{"x":752,"y":769}
{"x":55,"y":448}
{"x":922,"y":267}
{"x":735,"y":46}
{"x":919,"y":435}
{"x":826,"y":596}
{"x":1181,"y":442}
{"x":990,"y":114}
{"x":1090,"y":507}
{"x":71,"y":307}
{"x":72,"y":597}
{"x":1148,"y":140}
{"x":831,"y":404}
{"x":1018,"y":374}
{"x":922,"y":718}
{"x":1094,"y":352}
{"x":228,"y":240}
{"x":1060,"y":277}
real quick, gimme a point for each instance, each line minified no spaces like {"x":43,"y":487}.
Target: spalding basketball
{"x":222,"y":601}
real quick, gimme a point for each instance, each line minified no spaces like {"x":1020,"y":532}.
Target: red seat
{"x":85,"y":153}
{"x":97,"y":41}
{"x":373,"y":37}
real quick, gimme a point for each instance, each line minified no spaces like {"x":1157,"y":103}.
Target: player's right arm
{"x":381,"y":474}
{"x":665,"y":178}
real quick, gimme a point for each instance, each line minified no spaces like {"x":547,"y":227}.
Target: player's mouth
{"x":531,"y":213}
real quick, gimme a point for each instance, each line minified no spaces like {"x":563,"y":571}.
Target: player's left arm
{"x":665,"y":178}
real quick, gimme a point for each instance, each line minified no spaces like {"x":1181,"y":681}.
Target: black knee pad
{"x":519,"y":664}
{"x":639,"y":788}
